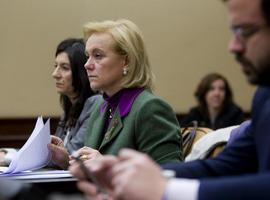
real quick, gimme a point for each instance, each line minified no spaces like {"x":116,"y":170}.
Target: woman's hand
{"x":86,"y":153}
{"x":60,"y":155}
{"x":3,"y":154}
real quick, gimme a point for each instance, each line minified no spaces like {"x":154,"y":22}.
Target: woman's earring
{"x":125,"y":71}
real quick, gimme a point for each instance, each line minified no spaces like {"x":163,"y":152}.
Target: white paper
{"x":34,"y":154}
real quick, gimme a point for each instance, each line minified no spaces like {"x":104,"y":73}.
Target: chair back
{"x":191,"y":134}
{"x":203,"y":143}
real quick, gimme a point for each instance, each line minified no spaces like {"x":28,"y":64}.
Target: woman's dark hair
{"x":205,"y":85}
{"x":75,"y":49}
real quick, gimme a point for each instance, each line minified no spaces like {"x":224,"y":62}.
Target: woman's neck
{"x":213,"y":113}
{"x":110,"y":93}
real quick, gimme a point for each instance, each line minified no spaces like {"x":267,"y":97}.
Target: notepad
{"x":34,"y":154}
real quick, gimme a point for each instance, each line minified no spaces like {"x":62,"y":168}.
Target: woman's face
{"x":62,"y":75}
{"x":104,"y":66}
{"x":216,"y":94}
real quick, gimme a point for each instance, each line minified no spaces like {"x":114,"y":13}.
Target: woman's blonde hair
{"x":128,"y":42}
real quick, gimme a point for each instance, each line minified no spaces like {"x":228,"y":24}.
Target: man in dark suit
{"x":242,"y":170}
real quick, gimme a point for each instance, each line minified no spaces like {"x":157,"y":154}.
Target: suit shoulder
{"x":262,"y":93}
{"x":91,"y":104}
{"x":146,"y":98}
{"x":92,"y":100}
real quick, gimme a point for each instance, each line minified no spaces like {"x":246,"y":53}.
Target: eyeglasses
{"x":245,"y":32}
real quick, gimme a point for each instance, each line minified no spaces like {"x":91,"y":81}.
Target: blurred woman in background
{"x":216,"y":108}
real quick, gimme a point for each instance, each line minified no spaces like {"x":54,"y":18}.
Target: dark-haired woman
{"x":216,"y":108}
{"x":73,"y":85}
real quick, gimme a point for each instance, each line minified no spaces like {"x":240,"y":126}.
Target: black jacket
{"x":232,"y":115}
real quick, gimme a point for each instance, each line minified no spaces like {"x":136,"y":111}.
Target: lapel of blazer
{"x":113,"y":130}
{"x":96,"y":132}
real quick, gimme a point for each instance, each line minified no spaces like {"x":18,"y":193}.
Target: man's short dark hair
{"x":265,"y":5}
{"x":266,"y":10}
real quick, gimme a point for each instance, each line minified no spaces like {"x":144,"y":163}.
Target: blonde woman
{"x":128,"y":114}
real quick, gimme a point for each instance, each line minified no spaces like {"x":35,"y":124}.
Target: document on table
{"x":46,"y":174}
{"x":50,"y":174}
{"x":34,"y":154}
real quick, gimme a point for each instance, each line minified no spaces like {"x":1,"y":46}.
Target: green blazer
{"x":150,"y":127}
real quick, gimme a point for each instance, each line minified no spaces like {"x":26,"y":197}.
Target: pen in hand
{"x":88,"y":174}
{"x":59,"y":143}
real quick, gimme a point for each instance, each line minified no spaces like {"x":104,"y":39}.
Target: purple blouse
{"x":122,"y":101}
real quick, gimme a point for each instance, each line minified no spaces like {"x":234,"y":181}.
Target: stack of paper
{"x":34,"y":154}
{"x":39,"y":175}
